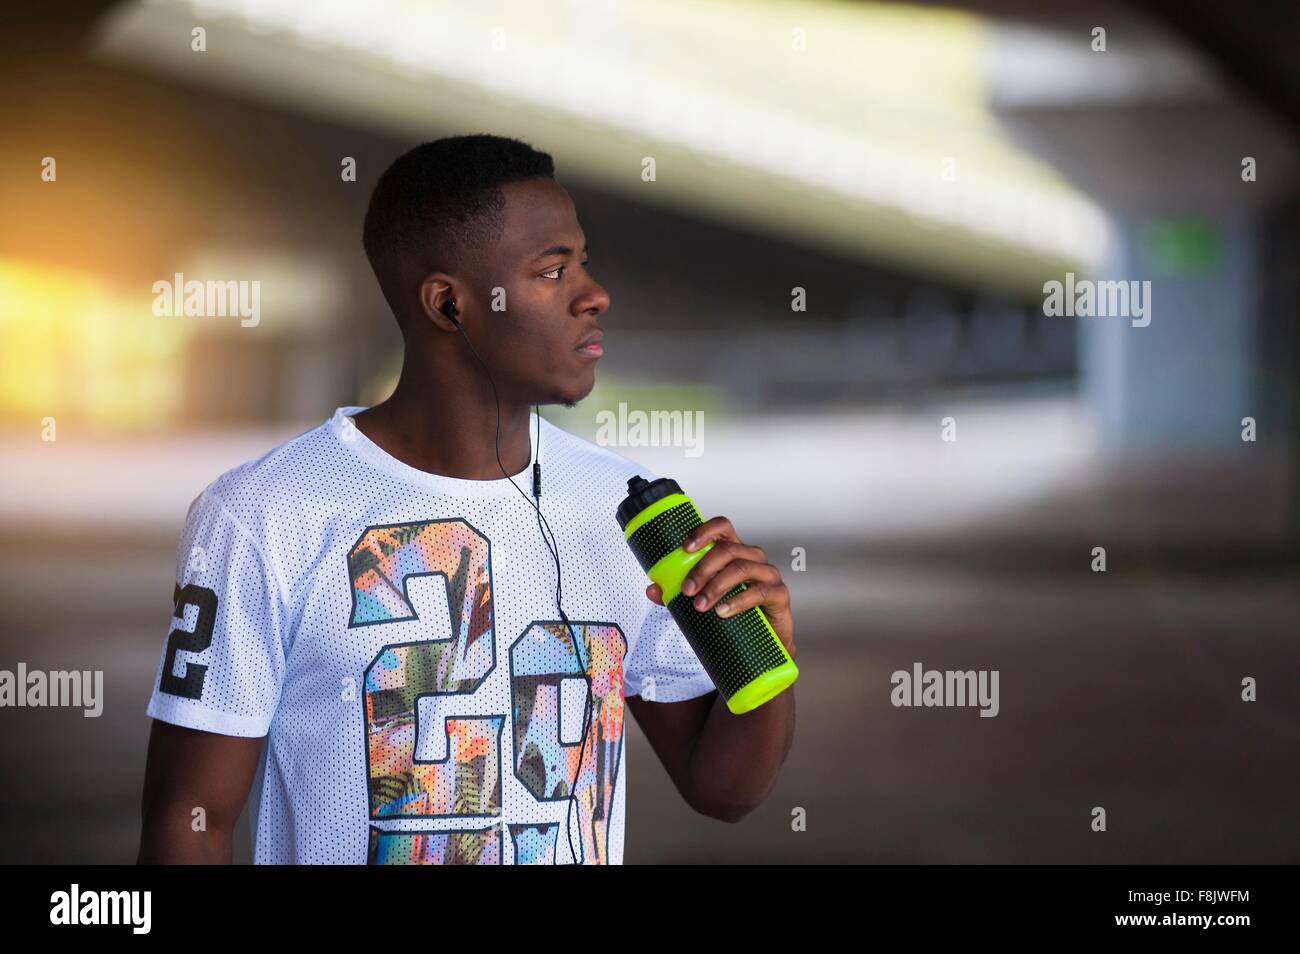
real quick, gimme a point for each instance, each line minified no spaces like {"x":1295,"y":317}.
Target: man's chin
{"x":565,"y":400}
{"x":570,"y":396}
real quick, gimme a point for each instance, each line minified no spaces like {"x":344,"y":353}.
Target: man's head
{"x":480,"y":220}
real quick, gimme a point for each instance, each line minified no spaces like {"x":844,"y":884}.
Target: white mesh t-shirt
{"x":395,"y":635}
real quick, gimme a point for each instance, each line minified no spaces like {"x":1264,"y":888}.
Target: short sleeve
{"x":662,"y":666}
{"x":223,"y":660}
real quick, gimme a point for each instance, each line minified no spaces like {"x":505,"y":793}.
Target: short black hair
{"x":440,"y":203}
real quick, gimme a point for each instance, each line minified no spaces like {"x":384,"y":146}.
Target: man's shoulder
{"x":609,"y":469}
{"x":275,"y":481}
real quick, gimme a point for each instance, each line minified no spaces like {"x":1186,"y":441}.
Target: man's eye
{"x":560,"y":268}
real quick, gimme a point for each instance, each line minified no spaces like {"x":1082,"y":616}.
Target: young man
{"x":375,"y":601}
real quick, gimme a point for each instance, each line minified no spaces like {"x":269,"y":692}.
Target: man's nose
{"x":595,"y":299}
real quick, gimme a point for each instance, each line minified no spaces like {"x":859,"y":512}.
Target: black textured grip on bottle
{"x":663,"y":533}
{"x":734,"y":650}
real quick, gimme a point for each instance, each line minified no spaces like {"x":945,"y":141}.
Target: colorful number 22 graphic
{"x":467,"y":782}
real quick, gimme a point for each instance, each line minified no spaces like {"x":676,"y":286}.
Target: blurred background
{"x":918,"y":171}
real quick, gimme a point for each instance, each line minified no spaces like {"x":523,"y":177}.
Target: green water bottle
{"x":742,"y":654}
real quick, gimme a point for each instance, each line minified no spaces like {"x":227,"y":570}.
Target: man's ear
{"x":435,"y":291}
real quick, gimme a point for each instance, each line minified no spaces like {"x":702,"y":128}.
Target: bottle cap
{"x":641,"y":493}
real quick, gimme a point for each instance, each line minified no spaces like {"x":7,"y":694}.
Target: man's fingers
{"x":712,"y":562}
{"x":717,"y":528}
{"x":755,"y":575}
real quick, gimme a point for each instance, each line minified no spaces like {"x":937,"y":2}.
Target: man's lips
{"x":590,"y":346}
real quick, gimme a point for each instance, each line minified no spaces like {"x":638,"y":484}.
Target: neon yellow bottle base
{"x":763,"y":689}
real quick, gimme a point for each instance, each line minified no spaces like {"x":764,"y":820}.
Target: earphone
{"x":450,"y":311}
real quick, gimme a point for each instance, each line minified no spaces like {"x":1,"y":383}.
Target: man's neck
{"x":444,"y":432}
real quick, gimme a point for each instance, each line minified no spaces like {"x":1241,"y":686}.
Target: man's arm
{"x":188,"y":769}
{"x":724,"y":765}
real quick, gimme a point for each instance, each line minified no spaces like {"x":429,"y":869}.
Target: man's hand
{"x":728,"y":563}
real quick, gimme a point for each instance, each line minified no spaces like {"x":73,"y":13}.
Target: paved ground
{"x":1129,"y":701}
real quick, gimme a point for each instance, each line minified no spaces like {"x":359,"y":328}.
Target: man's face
{"x":551,"y":302}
